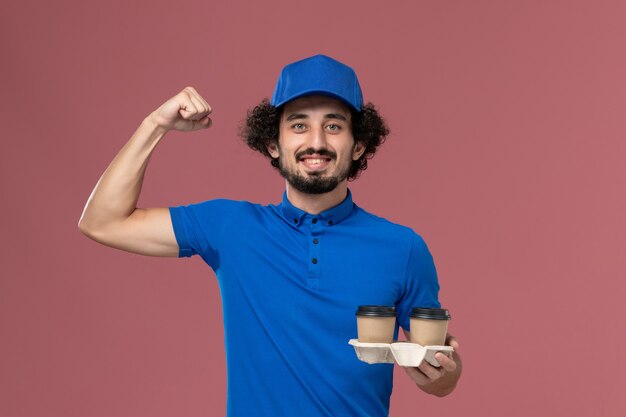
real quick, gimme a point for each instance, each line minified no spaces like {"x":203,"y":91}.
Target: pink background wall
{"x":506,"y":154}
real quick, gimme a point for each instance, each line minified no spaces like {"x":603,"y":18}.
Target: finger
{"x":190,"y":90}
{"x":416,"y":376}
{"x":430,"y":371}
{"x":452,"y":341}
{"x":205,"y":122}
{"x":187,"y":109}
{"x":192,"y":125}
{"x":446,"y":362}
{"x":207,"y":105}
{"x":199,"y":99}
{"x":199,"y":105}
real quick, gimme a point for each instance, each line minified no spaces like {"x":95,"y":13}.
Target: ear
{"x":272,"y":148}
{"x":359,"y":149}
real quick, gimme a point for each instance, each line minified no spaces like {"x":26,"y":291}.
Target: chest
{"x":344,"y":265}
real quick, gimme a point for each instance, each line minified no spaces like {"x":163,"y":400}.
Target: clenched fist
{"x":186,"y":111}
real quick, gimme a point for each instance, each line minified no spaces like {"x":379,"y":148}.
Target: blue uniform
{"x":291,"y":283}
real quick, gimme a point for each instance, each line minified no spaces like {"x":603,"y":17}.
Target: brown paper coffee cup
{"x":429,"y":326}
{"x":376,"y":324}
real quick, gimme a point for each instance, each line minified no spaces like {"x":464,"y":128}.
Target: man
{"x":291,"y":275}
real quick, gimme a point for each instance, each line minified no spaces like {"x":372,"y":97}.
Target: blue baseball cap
{"x":318,"y":74}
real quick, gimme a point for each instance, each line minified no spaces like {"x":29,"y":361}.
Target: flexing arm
{"x":110,"y":215}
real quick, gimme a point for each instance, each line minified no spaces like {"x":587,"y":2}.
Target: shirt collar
{"x":330,"y":217}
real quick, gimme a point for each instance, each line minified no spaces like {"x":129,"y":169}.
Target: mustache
{"x":320,"y":152}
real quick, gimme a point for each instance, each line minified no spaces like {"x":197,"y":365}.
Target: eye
{"x":333,"y":127}
{"x":298,"y":126}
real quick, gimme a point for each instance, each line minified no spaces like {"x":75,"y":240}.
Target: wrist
{"x":151,"y":122}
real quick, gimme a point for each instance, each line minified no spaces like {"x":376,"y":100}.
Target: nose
{"x":317,"y":139}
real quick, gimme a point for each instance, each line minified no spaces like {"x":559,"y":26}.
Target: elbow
{"x":87,"y":229}
{"x":84,"y":228}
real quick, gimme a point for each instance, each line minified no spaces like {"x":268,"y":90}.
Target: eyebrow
{"x":296,"y":116}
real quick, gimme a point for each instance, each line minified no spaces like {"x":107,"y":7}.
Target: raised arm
{"x":111,"y":216}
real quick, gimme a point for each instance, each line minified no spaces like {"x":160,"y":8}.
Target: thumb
{"x":193,"y":125}
{"x":203,"y":123}
{"x":451,"y":341}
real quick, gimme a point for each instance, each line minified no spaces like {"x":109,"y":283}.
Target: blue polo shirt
{"x":291,"y":283}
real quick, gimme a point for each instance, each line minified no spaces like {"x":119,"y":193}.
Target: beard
{"x":314,"y":183}
{"x":311,"y":185}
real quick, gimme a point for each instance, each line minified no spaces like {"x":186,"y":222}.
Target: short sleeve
{"x":199,"y":228}
{"x":421,"y":285}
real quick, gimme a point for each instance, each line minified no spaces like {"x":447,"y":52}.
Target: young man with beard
{"x":291,"y":275}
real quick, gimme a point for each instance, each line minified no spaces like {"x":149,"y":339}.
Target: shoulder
{"x":221,"y":204}
{"x":381,"y":224}
{"x":396,"y":235}
{"x":221,"y":209}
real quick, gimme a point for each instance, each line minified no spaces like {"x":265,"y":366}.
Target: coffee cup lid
{"x":430,"y":313}
{"x":376,"y":311}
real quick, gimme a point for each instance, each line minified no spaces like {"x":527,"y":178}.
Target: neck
{"x":317,"y":203}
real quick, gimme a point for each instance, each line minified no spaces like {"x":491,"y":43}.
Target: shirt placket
{"x":315,"y":250}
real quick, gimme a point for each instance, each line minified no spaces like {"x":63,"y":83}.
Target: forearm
{"x":115,"y":196}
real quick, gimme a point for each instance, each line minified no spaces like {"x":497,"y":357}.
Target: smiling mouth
{"x":315,"y":163}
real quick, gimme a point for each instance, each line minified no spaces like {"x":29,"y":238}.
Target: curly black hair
{"x":263,"y":122}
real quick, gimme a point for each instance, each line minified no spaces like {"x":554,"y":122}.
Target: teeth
{"x":314,"y":161}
